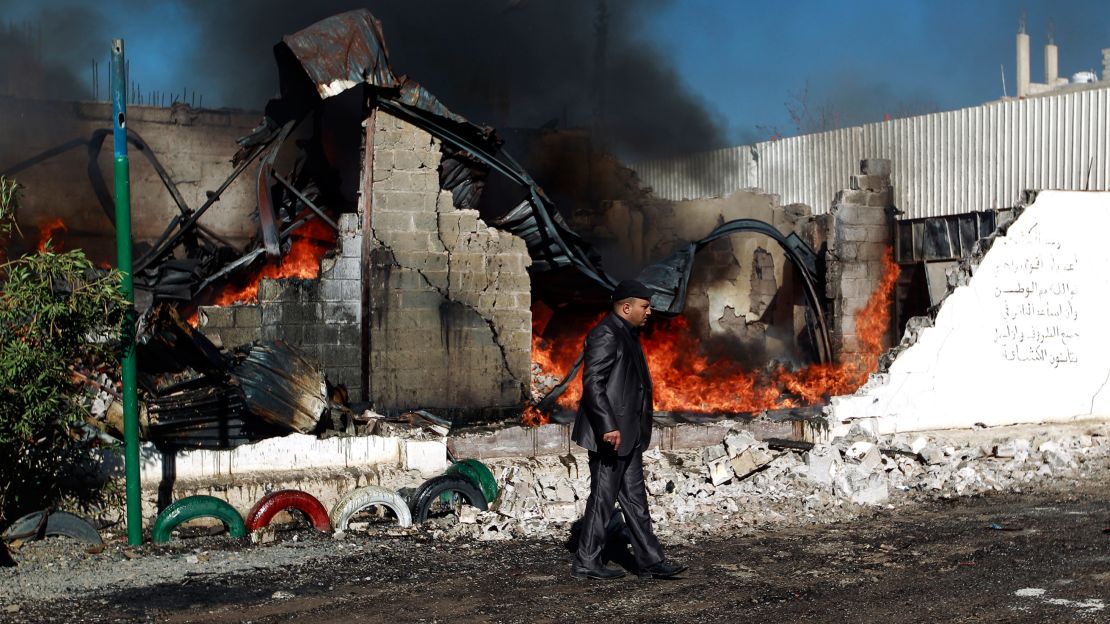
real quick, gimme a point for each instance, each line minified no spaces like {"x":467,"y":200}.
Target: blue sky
{"x":865,"y":58}
{"x":744,"y":60}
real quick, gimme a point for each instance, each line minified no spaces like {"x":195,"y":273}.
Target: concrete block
{"x":340,"y":311}
{"x":821,"y":462}
{"x":346,"y":268}
{"x":349,"y":224}
{"x":881,"y":199}
{"x":749,"y":461}
{"x":248,"y":317}
{"x":845,"y":197}
{"x":236,"y":337}
{"x":410,"y":241}
{"x":426,"y":181}
{"x":426,"y":456}
{"x":408,"y":160}
{"x":430,"y":299}
{"x":269,"y":290}
{"x":738,"y":442}
{"x":1017,"y":448}
{"x":862,"y":489}
{"x":932,"y":455}
{"x":398,"y":201}
{"x":332,"y":290}
{"x":215,"y":317}
{"x":871,"y":183}
{"x":875,"y":166}
{"x":717,"y":461}
{"x":387,"y":222}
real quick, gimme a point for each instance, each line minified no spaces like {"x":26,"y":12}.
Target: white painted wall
{"x":294,"y":452}
{"x":1026,"y":341}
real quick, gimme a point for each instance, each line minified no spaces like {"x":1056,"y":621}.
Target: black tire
{"x":26,"y":527}
{"x":430,"y":490}
{"x":72,"y":525}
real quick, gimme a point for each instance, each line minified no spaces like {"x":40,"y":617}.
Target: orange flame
{"x":48,"y":230}
{"x":686,"y":380}
{"x":533,"y":417}
{"x":310,"y":242}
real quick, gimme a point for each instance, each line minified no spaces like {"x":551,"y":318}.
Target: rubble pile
{"x":743,"y":482}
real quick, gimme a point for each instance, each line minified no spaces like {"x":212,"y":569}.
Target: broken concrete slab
{"x":749,"y":461}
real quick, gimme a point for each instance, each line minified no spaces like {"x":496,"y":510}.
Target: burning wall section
{"x":1023,"y":340}
{"x":742,"y":289}
{"x":859,"y":260}
{"x":417,"y":304}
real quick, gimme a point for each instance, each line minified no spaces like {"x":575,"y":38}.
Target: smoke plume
{"x":505,"y":63}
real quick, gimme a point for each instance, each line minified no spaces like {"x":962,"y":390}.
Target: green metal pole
{"x":123,"y":254}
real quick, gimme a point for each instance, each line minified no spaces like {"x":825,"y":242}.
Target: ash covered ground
{"x":1018,"y":543}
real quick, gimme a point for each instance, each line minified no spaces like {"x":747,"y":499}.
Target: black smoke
{"x":505,"y":63}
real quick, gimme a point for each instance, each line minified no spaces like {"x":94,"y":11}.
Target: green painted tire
{"x":478,"y":474}
{"x":192,"y":507}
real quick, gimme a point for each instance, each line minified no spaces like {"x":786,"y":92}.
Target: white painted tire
{"x":360,"y":498}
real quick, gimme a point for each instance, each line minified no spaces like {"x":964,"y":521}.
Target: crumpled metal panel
{"x":348,"y":49}
{"x":343,"y":51}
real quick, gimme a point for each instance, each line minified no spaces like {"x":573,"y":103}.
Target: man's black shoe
{"x":663,"y":569}
{"x":600,"y":573}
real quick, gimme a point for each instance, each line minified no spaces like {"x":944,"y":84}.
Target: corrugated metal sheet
{"x":942,"y":164}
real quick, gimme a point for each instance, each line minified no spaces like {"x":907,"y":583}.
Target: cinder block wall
{"x":449,"y":297}
{"x":861,"y":232}
{"x":321,"y":317}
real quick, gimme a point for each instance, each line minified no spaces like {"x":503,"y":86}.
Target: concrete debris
{"x":822,"y":462}
{"x":717,"y":461}
{"x":738,"y":484}
{"x":751,"y":460}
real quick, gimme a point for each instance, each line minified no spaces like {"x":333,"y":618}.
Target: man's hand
{"x":613,"y":437}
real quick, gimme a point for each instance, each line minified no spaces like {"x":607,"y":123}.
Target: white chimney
{"x":1051,"y":69}
{"x":1022,"y":64}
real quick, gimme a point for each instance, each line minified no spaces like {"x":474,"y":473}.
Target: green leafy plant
{"x":56,"y":311}
{"x":9,"y":203}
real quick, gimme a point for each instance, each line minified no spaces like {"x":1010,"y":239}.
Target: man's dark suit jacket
{"x":616,"y":389}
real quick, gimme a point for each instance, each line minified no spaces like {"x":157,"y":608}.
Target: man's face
{"x":636,"y":311}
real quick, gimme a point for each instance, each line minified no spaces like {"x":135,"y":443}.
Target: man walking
{"x":614,"y":425}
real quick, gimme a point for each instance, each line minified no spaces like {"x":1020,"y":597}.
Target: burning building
{"x":401,"y":247}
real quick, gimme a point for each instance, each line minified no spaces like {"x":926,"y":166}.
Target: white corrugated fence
{"x":947,"y":163}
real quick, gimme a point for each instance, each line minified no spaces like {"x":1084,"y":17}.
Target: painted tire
{"x":360,"y":498}
{"x":478,"y":474}
{"x":269,"y":505}
{"x":199,"y":506}
{"x":434,"y":487}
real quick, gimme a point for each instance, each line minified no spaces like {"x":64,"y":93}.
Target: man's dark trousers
{"x":615,"y":478}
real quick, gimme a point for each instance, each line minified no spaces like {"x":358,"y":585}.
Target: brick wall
{"x":450,"y":319}
{"x":321,"y":317}
{"x":861,"y":232}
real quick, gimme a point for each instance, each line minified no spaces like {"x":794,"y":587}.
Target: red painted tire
{"x":265,"y":509}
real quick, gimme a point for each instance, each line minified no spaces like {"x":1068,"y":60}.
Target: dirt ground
{"x":935,"y":562}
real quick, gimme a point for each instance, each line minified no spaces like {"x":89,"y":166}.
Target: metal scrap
{"x":282,"y":387}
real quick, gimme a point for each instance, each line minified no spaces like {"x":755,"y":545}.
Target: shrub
{"x":56,"y":311}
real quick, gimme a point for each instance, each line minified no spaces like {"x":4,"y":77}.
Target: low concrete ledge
{"x":288,"y":453}
{"x":554,"y":439}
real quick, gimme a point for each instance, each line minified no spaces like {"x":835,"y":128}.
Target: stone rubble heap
{"x":741,"y":483}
